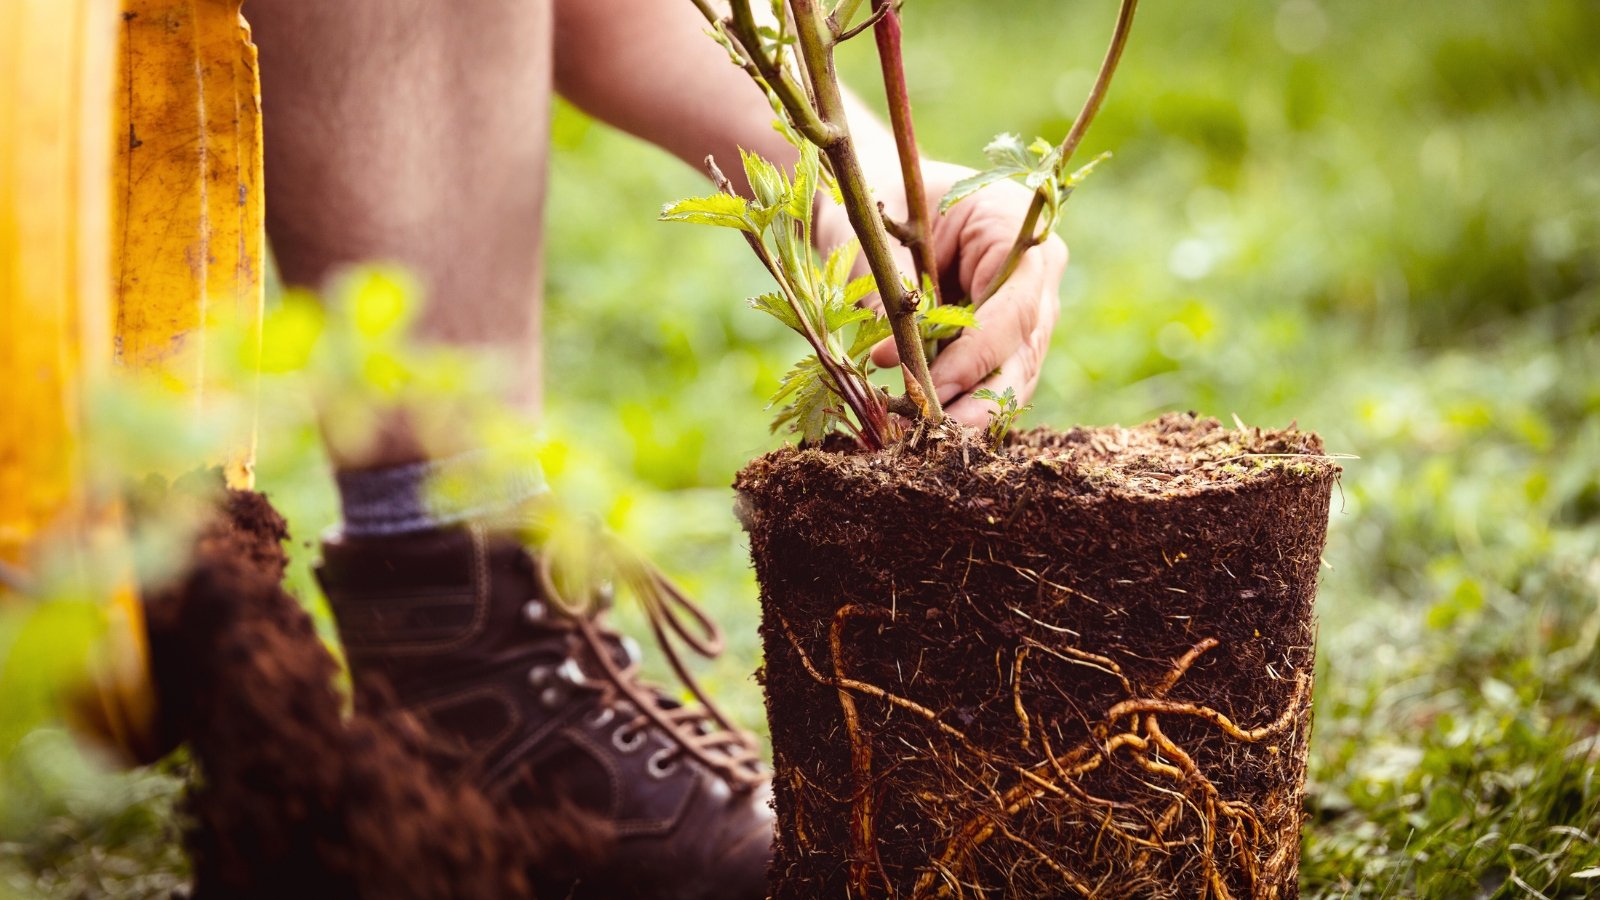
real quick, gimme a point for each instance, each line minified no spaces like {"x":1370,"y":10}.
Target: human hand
{"x":1009,"y":346}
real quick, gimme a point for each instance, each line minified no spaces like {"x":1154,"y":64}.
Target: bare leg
{"x":414,"y":132}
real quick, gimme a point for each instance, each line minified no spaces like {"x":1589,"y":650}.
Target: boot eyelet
{"x":572,"y":673}
{"x":538,"y":676}
{"x":533,"y":612}
{"x":552,"y":696}
{"x":627,"y":744}
{"x":601,"y":718}
{"x":660,"y":765}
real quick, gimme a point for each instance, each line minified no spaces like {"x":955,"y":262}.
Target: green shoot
{"x":818,"y":302}
{"x":1039,"y":166}
{"x":1001,"y":421}
{"x":812,"y":114}
{"x":1043,"y":167}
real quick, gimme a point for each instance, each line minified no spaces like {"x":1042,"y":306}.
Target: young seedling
{"x":1000,"y":422}
{"x":792,"y":60}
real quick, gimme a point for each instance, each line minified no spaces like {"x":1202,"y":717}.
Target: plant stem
{"x":842,"y":14}
{"x":871,"y":20}
{"x":742,"y":26}
{"x":917,"y":231}
{"x":1028,"y":235}
{"x":861,"y":397}
{"x":817,"y":56}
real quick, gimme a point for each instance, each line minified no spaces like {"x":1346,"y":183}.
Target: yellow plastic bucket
{"x":130,"y":229}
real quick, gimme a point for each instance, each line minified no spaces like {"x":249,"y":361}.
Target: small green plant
{"x":1001,"y":421}
{"x":792,"y":60}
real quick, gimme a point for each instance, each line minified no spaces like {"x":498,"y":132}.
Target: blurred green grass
{"x":1381,"y":220}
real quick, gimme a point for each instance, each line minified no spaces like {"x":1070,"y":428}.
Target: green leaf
{"x":836,"y":317}
{"x":952,"y":315}
{"x":868,"y":335}
{"x":1000,"y":422}
{"x":859,"y":288}
{"x":836,"y":272}
{"x":1086,"y":170}
{"x":766,"y":182}
{"x":810,"y":412}
{"x":808,"y":369}
{"x":778,"y":307}
{"x":723,"y":210}
{"x":1043,"y":172}
{"x":843,"y":293}
{"x":974,"y":183}
{"x":1006,"y":150}
{"x":807,"y":172}
{"x":772,"y":38}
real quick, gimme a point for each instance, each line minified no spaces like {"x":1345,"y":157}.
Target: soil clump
{"x":296,"y":796}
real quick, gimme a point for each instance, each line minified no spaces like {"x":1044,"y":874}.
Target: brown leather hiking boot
{"x":540,"y":704}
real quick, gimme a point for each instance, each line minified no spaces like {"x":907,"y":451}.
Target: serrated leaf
{"x":778,"y":308}
{"x":952,"y":315}
{"x":807,"y":173}
{"x":842,"y":293}
{"x":970,"y":185}
{"x":766,"y":182}
{"x":837,"y":317}
{"x":836,"y":272}
{"x":1007,"y":150}
{"x":806,"y":370}
{"x":1005,"y":414}
{"x":1041,"y":147}
{"x":871,"y":332}
{"x":780,"y":124}
{"x":813,"y":419}
{"x":809,"y":411}
{"x":835,"y":192}
{"x":723,"y":210}
{"x":1043,"y":172}
{"x":859,"y":288}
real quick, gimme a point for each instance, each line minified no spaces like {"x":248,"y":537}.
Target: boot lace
{"x":700,"y":731}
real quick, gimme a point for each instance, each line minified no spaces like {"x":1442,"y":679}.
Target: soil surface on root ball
{"x":295,"y":796}
{"x":1080,"y":666}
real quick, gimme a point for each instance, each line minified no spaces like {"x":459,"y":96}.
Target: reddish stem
{"x":917,"y":231}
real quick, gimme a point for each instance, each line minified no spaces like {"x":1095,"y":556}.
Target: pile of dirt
{"x":296,"y":796}
{"x":1079,"y":666}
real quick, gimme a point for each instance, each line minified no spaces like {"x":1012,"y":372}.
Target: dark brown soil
{"x":1080,"y":667}
{"x":296,"y":797}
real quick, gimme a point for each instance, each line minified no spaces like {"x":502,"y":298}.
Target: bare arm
{"x":647,"y":67}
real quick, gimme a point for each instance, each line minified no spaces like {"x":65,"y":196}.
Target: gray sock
{"x":436,"y":493}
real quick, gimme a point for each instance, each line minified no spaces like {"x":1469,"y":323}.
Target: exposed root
{"x":1146,"y":746}
{"x":864,"y":856}
{"x":1016,"y":697}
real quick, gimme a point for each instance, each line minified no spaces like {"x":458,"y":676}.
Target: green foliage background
{"x":1379,"y":219}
